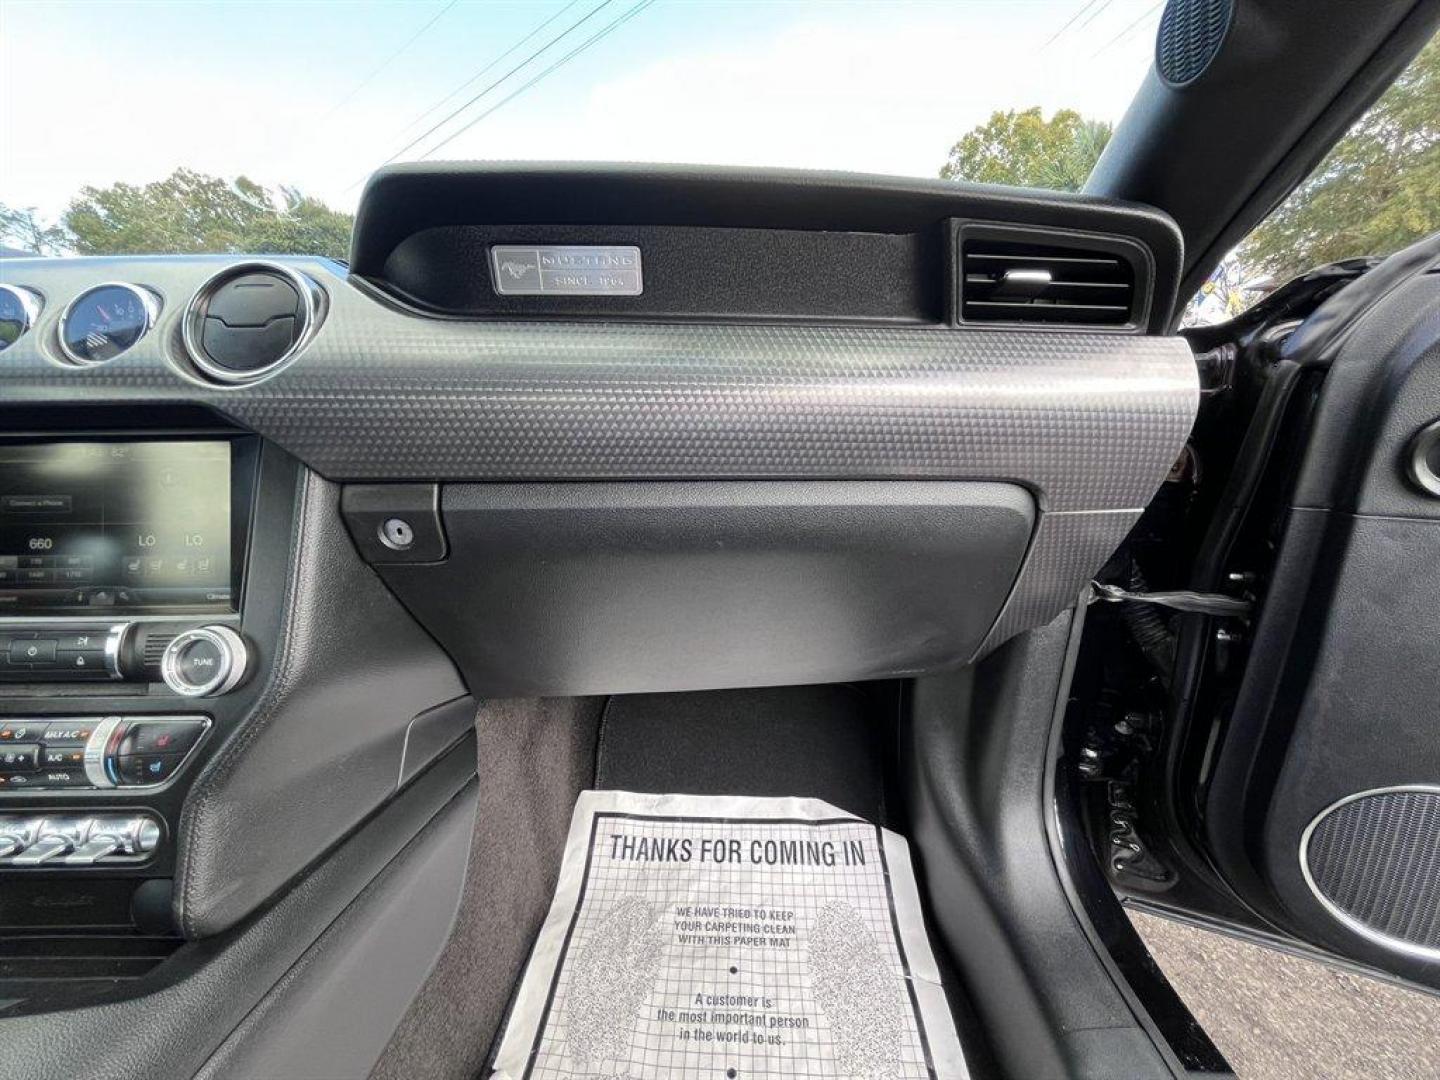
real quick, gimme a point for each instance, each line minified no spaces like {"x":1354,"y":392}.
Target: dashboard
{"x":268,"y":525}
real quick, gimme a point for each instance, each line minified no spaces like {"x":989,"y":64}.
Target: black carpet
{"x":819,"y":742}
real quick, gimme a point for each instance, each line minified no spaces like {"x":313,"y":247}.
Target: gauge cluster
{"x":97,"y":326}
{"x":241,"y":324}
{"x":103,"y":322}
{"x":19,"y":308}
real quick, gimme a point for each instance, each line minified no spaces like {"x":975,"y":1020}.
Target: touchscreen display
{"x":119,"y":525}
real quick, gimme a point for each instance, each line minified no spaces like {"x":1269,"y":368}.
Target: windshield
{"x":252,"y":126}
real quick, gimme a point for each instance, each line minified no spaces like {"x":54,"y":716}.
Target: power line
{"x":1128,"y":30}
{"x":468,"y":82}
{"x":1069,"y":23}
{"x":437,"y":126}
{"x":594,"y":38}
{"x":1097,"y":13}
{"x":368,"y":79}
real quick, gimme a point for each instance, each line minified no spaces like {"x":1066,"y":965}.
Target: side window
{"x":1376,"y":191}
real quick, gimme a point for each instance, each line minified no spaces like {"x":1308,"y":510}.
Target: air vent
{"x":1014,"y":281}
{"x":250,"y":319}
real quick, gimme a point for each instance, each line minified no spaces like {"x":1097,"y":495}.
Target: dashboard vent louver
{"x":251,"y":319}
{"x":1017,"y":281}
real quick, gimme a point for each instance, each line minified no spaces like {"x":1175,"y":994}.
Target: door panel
{"x":1296,"y":794}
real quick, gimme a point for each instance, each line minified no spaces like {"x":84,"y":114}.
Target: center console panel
{"x":180,"y":688}
{"x":116,"y":547}
{"x":113,"y":549}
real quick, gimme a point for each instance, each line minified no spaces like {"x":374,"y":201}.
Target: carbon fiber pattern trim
{"x":1065,"y":553}
{"x":1376,"y":860}
{"x":1088,"y":420}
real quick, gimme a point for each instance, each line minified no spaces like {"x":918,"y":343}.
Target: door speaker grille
{"x":1373,"y":860}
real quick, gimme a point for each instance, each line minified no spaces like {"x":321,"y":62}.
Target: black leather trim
{"x":171,"y":1021}
{"x":334,"y":1011}
{"x":323,"y":748}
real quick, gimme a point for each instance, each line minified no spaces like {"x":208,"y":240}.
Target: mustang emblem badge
{"x":564,"y":269}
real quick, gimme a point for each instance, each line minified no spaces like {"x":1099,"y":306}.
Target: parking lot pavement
{"x":1277,"y":1017}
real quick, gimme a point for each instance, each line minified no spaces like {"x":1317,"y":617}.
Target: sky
{"x":315,"y":94}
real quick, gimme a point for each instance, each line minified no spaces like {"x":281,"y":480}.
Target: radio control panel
{"x":198,"y":661}
{"x":61,"y":653}
{"x":95,"y":753}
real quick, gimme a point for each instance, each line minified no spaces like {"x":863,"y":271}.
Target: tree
{"x":1377,"y":190}
{"x":189,"y":212}
{"x":1025,"y":149}
{"x":305,"y":226}
{"x":185,"y":213}
{"x":24,"y":229}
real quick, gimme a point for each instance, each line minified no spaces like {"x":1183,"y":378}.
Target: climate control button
{"x":19,"y":758}
{"x":62,"y":778}
{"x":68,"y":733}
{"x":96,"y":752}
{"x":159,"y":737}
{"x":146,"y":768}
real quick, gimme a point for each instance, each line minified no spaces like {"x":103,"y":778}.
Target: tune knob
{"x":203,"y":662}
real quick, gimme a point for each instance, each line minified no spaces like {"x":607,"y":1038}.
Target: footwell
{"x":730,"y":937}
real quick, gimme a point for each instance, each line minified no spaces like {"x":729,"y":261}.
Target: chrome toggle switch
{"x":78,"y":839}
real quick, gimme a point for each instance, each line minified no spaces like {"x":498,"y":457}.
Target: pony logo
{"x":517,"y":270}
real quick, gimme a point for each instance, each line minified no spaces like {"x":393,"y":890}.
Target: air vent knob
{"x":251,"y":322}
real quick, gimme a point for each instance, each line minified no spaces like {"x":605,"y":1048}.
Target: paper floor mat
{"x":734,"y":939}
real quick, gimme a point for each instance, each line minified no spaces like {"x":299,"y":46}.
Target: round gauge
{"x":103,"y":322}
{"x":19,"y":309}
